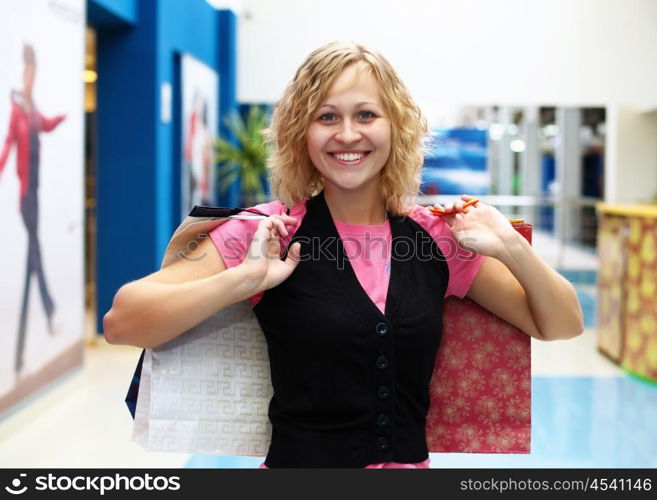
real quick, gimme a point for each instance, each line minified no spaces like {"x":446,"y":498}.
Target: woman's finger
{"x":278,"y":227}
{"x":449,"y":219}
{"x":272,"y":242}
{"x":264,"y":227}
{"x":458,"y":222}
{"x":269,"y":226}
{"x":293,"y":255}
{"x":286,"y":219}
{"x":259,"y":243}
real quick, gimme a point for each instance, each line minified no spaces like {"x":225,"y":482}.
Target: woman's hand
{"x":480,"y":228}
{"x":262,"y":262}
{"x":515,"y":285}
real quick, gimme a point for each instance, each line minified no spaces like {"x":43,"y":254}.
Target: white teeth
{"x":349,"y":156}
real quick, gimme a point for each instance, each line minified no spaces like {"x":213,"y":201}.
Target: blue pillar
{"x":138,"y":177}
{"x":227,"y":63}
{"x":126,"y":155}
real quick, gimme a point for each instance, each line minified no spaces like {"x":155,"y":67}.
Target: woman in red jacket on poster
{"x":25,"y":124}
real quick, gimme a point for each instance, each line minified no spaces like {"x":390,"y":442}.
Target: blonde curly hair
{"x":291,"y":175}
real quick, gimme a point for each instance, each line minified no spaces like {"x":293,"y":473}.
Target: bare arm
{"x":48,"y":124}
{"x":527,"y":293}
{"x":159,"y":307}
{"x":513,"y":282}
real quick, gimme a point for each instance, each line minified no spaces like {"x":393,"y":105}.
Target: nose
{"x":349,"y":132}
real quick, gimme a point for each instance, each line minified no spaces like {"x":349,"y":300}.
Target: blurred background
{"x":118,"y":116}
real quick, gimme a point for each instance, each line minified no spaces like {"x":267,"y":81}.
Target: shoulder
{"x":462,"y":264}
{"x":441,"y":233}
{"x":277,"y":207}
{"x":234,"y":236}
{"x":236,"y":226}
{"x":435,"y":226}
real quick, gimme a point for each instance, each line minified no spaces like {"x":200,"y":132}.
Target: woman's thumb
{"x":293,"y":255}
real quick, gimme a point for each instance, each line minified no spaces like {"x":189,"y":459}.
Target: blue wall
{"x":183,"y":27}
{"x":112,"y":13}
{"x":138,"y":177}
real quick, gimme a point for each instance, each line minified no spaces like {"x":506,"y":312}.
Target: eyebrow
{"x":357,"y":104}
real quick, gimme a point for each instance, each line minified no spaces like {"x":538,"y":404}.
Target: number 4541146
{"x":621,"y":484}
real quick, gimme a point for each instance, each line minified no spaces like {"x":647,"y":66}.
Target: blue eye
{"x":366,"y":115}
{"x":328,"y":117}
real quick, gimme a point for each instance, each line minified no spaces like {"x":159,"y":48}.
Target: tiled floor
{"x":81,"y":421}
{"x":585,"y":413}
{"x":577,"y":422}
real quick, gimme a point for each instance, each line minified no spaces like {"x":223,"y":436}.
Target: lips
{"x":349,"y":157}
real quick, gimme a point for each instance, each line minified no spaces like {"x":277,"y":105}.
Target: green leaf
{"x":247,"y":158}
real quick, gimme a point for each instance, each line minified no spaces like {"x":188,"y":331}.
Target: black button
{"x":381,"y":329}
{"x":382,"y":362}
{"x":383,"y":392}
{"x":382,"y":444}
{"x":382,"y":420}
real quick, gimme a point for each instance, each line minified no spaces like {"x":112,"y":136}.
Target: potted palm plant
{"x":246,"y":158}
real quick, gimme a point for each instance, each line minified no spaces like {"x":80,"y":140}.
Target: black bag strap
{"x":202,"y":211}
{"x":133,"y":390}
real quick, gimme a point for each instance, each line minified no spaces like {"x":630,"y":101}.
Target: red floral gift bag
{"x":481,"y":384}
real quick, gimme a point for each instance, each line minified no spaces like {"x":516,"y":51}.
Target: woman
{"x":348,"y":282}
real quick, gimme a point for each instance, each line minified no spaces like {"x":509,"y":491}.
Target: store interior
{"x":576,"y":158}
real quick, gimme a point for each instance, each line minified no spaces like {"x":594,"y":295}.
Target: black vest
{"x":351,"y":385}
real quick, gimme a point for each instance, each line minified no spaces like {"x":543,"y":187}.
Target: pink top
{"x":368,"y":248}
{"x":368,"y":254}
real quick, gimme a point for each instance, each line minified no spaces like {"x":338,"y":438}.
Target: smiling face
{"x":349,"y":135}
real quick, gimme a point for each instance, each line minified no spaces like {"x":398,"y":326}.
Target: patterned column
{"x":611,"y":276}
{"x":640,"y":347}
